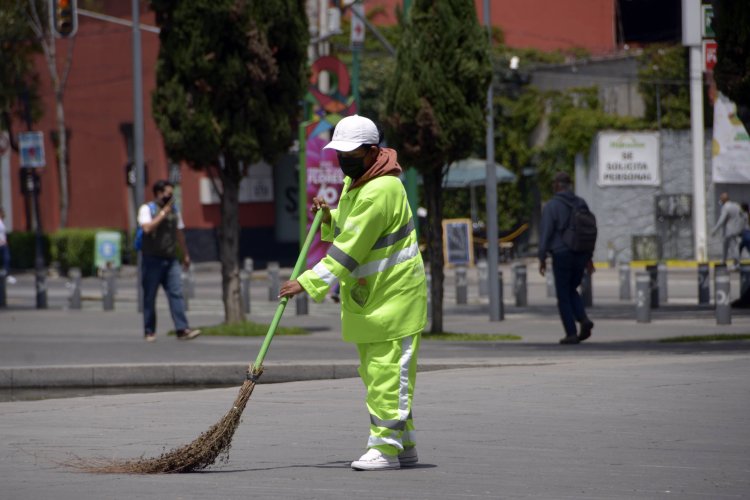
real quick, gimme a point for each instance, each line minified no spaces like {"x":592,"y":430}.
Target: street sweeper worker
{"x":376,"y":259}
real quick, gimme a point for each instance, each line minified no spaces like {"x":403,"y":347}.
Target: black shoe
{"x":570,"y":339}
{"x":187,"y":334}
{"x":586,"y":326}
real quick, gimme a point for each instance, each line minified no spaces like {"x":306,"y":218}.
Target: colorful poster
{"x":731,"y":145}
{"x":330,"y":103}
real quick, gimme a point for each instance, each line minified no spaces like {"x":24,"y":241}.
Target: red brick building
{"x":99,"y":109}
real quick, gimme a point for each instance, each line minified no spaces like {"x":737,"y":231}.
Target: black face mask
{"x":352,"y":167}
{"x":165,"y":200}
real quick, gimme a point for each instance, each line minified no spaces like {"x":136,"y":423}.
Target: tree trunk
{"x":229,"y":244}
{"x":432,"y":189}
{"x":62,"y":157}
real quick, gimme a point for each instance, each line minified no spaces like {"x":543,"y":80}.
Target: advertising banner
{"x":324,"y":178}
{"x":730,"y":146}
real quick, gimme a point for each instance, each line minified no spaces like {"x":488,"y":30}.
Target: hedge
{"x":69,"y":247}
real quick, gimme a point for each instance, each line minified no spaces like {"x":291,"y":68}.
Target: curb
{"x":132,"y":375}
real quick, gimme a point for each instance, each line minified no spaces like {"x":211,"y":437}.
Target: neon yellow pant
{"x":389,"y":372}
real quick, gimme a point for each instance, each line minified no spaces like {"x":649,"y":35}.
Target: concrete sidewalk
{"x":657,"y":426}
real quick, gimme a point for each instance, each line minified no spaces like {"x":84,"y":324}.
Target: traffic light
{"x":64,"y":17}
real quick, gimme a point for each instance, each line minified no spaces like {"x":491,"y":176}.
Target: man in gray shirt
{"x":732,"y":221}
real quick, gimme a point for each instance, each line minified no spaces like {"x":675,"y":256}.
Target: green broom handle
{"x":298,"y":268}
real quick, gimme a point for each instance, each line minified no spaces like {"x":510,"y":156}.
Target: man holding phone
{"x":162,"y":233}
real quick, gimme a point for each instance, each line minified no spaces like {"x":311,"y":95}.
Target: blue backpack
{"x":138,"y":240}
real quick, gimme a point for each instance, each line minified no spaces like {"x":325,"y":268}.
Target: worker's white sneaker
{"x":408,"y":457}
{"x":375,"y":460}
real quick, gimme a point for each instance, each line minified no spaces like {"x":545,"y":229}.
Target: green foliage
{"x":575,"y":119}
{"x":731,"y":24}
{"x":74,"y":248}
{"x":23,"y":249}
{"x":229,"y":78}
{"x":247,"y":329}
{"x":19,"y":79}
{"x":435,"y":100}
{"x":663,"y":77}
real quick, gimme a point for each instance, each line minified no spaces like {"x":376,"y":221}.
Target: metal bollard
{"x":653,"y":273}
{"x":500,"y":295}
{"x":185,"y":282}
{"x":41,"y":288}
{"x":722,"y":299}
{"x":3,"y":296}
{"x":587,"y":292}
{"x":273,"y":281}
{"x":245,"y":277}
{"x":484,"y":282}
{"x":74,"y":299}
{"x":519,"y":287}
{"x":661,"y":276}
{"x":462,"y":285}
{"x":643,"y":297}
{"x":744,"y":278}
{"x":108,"y":289}
{"x":704,"y":285}
{"x":549,"y":278}
{"x":300,"y":301}
{"x":191,"y":282}
{"x":624,"y":281}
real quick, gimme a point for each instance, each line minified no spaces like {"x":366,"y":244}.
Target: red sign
{"x":709,"y":54}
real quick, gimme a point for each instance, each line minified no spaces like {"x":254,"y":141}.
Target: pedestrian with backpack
{"x":159,"y":233}
{"x":568,"y":232}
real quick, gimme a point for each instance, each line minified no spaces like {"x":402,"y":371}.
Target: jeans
{"x":568,"y":268}
{"x":165,"y":272}
{"x":5,"y":258}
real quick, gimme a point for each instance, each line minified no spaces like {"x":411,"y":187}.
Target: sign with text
{"x":730,"y":146}
{"x":629,"y":159}
{"x":458,"y":242}
{"x":31,"y":149}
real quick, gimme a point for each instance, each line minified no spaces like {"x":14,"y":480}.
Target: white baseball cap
{"x":353,"y":131}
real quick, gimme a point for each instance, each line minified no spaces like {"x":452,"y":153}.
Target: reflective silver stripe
{"x":395,"y":425}
{"x":376,"y":441}
{"x":390,"y":239}
{"x":323,"y":273}
{"x":409,"y":437}
{"x":342,"y":258}
{"x":381,"y":265}
{"x":407,"y":344}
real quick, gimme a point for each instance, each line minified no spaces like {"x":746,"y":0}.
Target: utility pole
{"x":138,"y":131}
{"x":491,"y":190}
{"x":692,"y":38}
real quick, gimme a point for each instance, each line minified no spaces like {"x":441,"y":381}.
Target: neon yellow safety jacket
{"x":375,"y":257}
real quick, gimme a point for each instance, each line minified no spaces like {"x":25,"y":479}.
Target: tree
{"x":38,"y":18}
{"x":19,"y":80}
{"x":230,"y":74}
{"x":435,"y":106}
{"x":731,"y":24}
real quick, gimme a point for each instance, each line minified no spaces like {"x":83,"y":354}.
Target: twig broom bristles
{"x":217,"y":440}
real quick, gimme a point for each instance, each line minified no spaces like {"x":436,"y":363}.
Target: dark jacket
{"x":555,"y":218}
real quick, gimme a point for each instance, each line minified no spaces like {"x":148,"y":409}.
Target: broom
{"x":217,"y":440}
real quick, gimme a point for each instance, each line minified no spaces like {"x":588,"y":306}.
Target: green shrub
{"x":74,"y":248}
{"x":23,"y":249}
